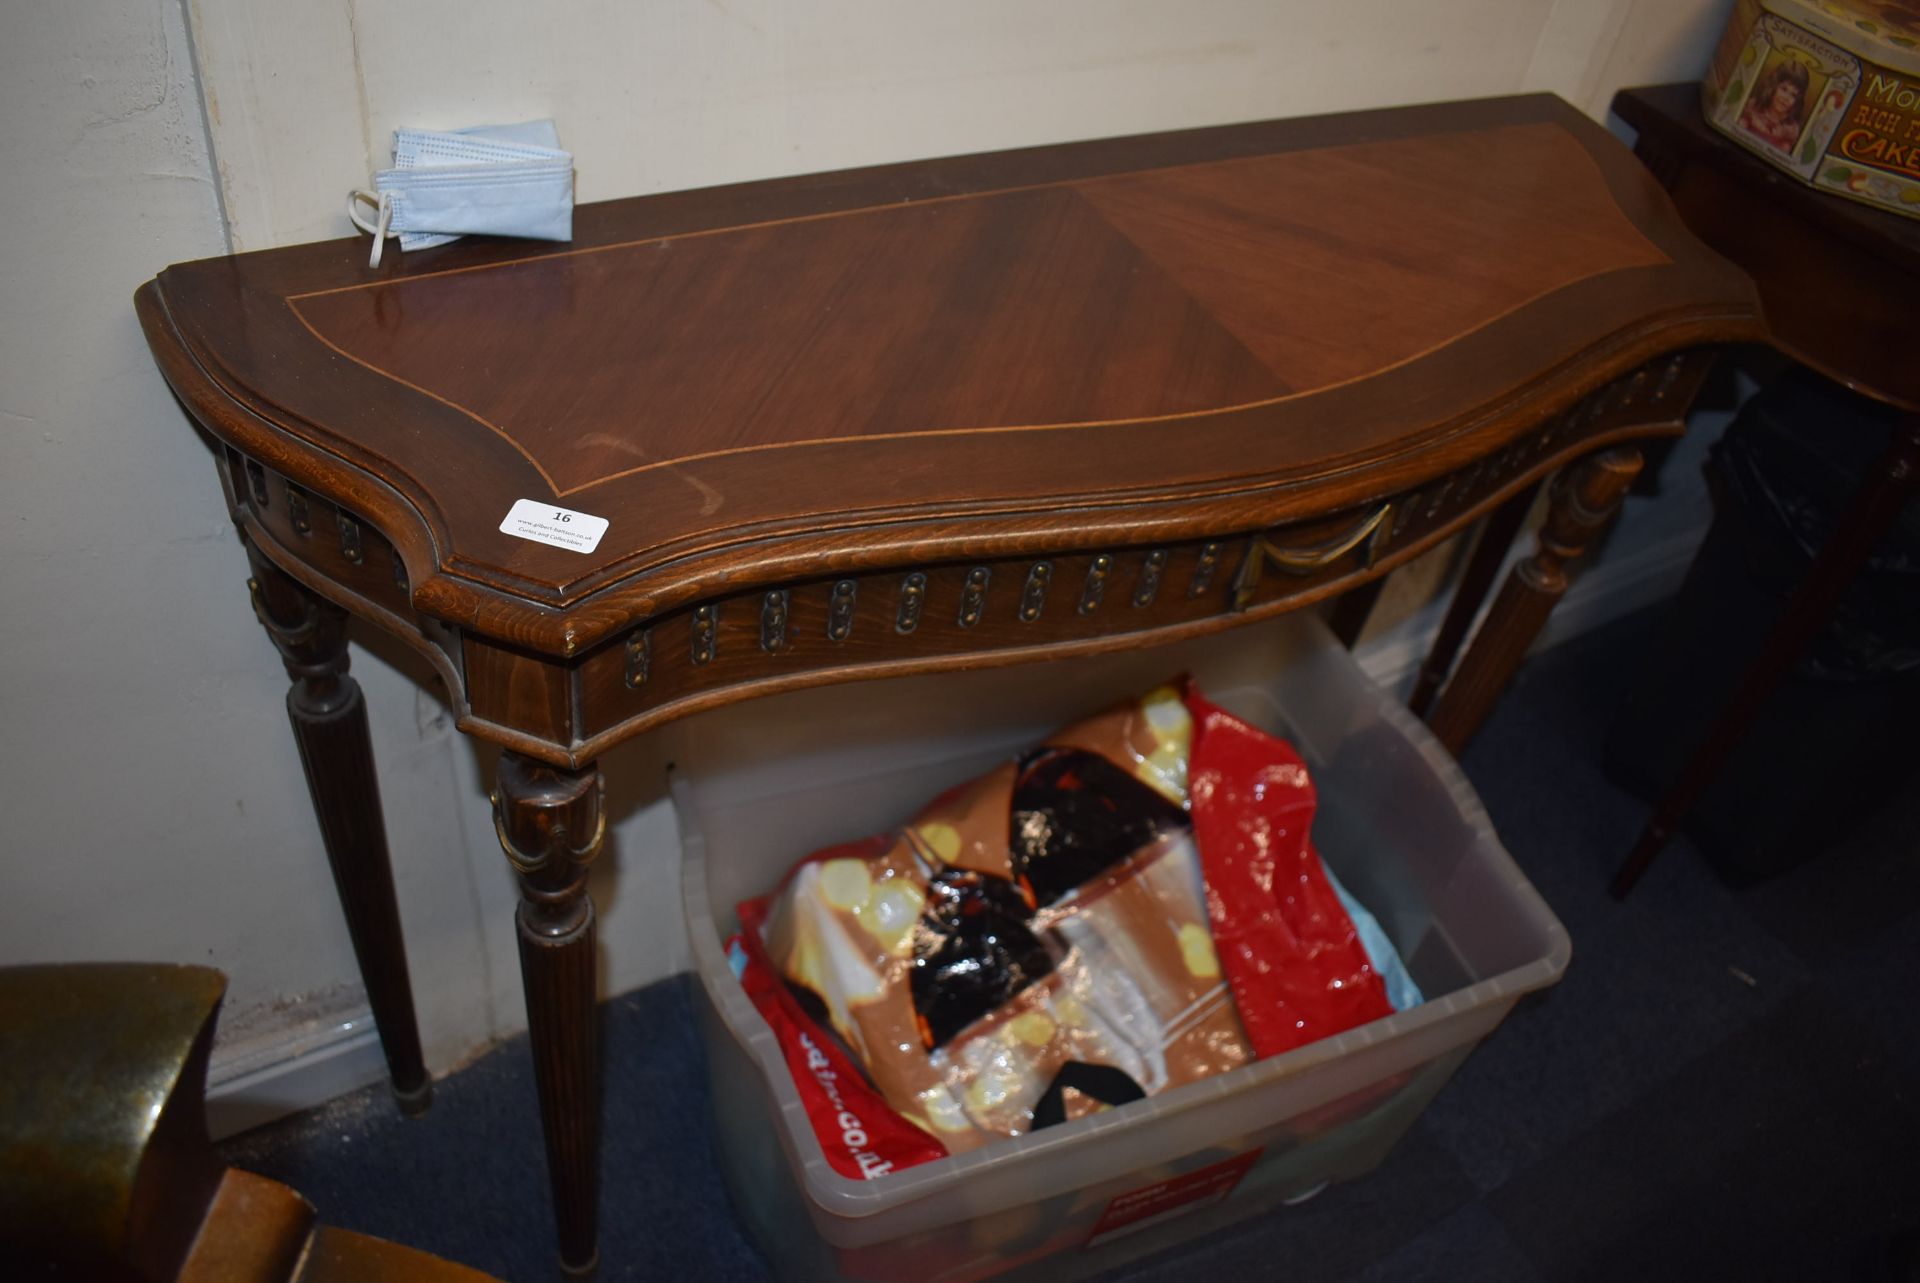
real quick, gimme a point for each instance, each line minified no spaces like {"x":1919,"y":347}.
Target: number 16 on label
{"x":561,"y":527}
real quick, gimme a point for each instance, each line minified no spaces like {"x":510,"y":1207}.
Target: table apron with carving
{"x":919,"y":616}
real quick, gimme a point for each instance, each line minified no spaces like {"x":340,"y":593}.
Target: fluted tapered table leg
{"x":1583,"y":501}
{"x":329,"y":717}
{"x":1489,"y":554}
{"x":551,"y":824}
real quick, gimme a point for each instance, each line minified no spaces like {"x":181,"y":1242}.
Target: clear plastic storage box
{"x":1398,"y":823}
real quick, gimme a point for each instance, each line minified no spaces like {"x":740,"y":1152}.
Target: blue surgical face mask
{"x":502,"y":180}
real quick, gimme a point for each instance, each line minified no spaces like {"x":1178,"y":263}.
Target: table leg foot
{"x":551,"y":824}
{"x":1584,"y":500}
{"x":415,"y":1102}
{"x":329,"y":719}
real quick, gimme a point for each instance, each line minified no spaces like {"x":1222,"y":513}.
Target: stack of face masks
{"x":498,"y":180}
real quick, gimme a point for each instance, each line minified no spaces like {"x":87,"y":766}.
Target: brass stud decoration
{"x":1637,"y":386}
{"x":1671,"y":375}
{"x":639,"y":658}
{"x":1148,"y":585}
{"x":350,"y":539}
{"x":913,"y":595}
{"x":706,"y":624}
{"x":973,"y":596}
{"x":297,"y":513}
{"x":840,"y":610}
{"x":1610,"y":397}
{"x":1095,"y":589}
{"x":1204,"y":570}
{"x":773,"y":621}
{"x":1033,"y":597}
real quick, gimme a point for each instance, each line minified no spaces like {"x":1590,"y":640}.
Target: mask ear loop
{"x":383,"y":204}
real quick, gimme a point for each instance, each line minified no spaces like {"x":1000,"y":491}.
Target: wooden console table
{"x":975,"y":411}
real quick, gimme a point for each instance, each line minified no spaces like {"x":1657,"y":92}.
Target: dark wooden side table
{"x":985,"y":410}
{"x":1838,"y":281}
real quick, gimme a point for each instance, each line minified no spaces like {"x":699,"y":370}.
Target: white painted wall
{"x":154,"y":800}
{"x":155,"y":806}
{"x":303,"y":95}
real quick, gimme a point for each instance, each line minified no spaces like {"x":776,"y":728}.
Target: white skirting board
{"x":271,"y":1079}
{"x":265,"y":1081}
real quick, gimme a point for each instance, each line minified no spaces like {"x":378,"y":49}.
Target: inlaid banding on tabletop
{"x":1267,"y":222}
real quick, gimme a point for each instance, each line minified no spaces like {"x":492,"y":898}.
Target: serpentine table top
{"x":817,"y":385}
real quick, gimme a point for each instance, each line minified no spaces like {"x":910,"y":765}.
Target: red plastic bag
{"x":1298,"y":969}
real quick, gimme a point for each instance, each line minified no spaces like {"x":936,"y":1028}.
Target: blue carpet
{"x":1725,"y":1085}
